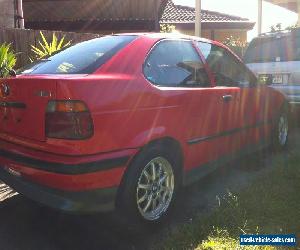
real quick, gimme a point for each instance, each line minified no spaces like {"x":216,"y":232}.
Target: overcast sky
{"x":248,"y":9}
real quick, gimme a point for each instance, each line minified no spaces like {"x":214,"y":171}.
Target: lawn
{"x":270,"y":205}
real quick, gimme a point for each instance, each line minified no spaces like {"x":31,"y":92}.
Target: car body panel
{"x":25,"y":106}
{"x":128,"y":113}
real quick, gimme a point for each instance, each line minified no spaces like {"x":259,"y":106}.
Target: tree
{"x":236,"y":45}
{"x":276,"y":28}
{"x":167,"y":28}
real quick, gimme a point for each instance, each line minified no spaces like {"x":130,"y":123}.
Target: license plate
{"x":277,"y":79}
{"x":280,"y":79}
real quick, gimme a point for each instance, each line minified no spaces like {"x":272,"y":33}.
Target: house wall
{"x":219,"y":34}
{"x":7,"y":14}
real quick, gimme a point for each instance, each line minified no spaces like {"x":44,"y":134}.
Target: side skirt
{"x":197,"y":173}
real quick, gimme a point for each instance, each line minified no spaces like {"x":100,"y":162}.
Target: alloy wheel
{"x":155,"y":189}
{"x":283,"y":129}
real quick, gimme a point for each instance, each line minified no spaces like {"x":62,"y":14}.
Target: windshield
{"x":275,"y":49}
{"x":82,"y":58}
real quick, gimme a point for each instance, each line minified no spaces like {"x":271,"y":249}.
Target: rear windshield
{"x":275,"y":49}
{"x":82,"y":58}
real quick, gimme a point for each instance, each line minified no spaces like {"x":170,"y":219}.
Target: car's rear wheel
{"x":150,"y":187}
{"x":155,"y":188}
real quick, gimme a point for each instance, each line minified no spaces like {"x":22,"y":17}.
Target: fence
{"x":22,"y":40}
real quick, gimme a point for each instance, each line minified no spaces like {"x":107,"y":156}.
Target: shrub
{"x":7,"y":60}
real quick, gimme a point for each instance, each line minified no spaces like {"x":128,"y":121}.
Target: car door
{"x":252,"y":110}
{"x":256,"y":109}
{"x":228,"y":92}
{"x":176,"y":67}
{"x":253,"y":99}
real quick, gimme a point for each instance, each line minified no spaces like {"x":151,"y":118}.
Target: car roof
{"x":278,"y":34}
{"x":175,"y":35}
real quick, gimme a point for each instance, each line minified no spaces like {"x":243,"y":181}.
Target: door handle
{"x":227,"y":98}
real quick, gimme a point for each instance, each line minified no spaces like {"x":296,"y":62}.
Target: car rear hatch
{"x":277,"y":73}
{"x":23,"y":102}
{"x":275,"y":58}
{"x":282,"y":76}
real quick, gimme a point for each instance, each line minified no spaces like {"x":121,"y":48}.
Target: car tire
{"x":149,"y":189}
{"x":281,"y":130}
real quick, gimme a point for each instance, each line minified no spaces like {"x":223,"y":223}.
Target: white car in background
{"x":275,"y":59}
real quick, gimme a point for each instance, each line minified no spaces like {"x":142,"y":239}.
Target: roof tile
{"x":183,"y":14}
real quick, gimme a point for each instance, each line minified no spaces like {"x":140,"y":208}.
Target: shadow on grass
{"x":270,"y":205}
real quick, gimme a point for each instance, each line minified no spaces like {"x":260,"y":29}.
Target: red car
{"x":124,"y":121}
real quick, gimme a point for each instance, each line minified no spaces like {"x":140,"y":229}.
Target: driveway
{"x":26,"y":225}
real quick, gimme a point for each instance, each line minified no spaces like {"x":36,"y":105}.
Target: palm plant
{"x":8,"y":59}
{"x":46,"y":48}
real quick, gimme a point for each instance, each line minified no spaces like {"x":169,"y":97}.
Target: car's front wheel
{"x":150,"y":187}
{"x":281,"y":131}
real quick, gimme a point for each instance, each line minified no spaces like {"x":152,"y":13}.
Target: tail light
{"x":68,"y":120}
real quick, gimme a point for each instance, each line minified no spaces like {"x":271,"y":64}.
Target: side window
{"x":227,"y":69}
{"x":175,"y":63}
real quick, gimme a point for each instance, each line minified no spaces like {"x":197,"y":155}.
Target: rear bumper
{"x":99,"y":200}
{"x":70,"y":183}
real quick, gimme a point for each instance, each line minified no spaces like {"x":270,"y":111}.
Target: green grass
{"x":270,"y":205}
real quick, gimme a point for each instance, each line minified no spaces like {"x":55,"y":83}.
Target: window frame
{"x":198,"y":53}
{"x":235,"y":59}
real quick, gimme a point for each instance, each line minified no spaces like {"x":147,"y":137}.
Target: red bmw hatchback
{"x":124,"y":121}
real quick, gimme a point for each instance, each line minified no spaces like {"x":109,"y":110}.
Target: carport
{"x":293,"y":5}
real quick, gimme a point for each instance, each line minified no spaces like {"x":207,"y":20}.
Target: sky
{"x":272,"y":14}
